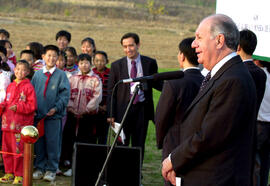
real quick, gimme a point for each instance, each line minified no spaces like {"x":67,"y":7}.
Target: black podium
{"x":124,"y":166}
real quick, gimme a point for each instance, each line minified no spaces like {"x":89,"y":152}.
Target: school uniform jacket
{"x":86,"y":93}
{"x":22,"y":95}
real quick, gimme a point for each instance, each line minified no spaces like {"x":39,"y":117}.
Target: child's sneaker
{"x":49,"y":176}
{"x":58,"y":172}
{"x":18,"y":180}
{"x":7,"y":178}
{"x":68,"y":173}
{"x":37,"y":175}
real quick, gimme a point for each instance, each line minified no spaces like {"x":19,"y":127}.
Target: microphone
{"x":156,"y":77}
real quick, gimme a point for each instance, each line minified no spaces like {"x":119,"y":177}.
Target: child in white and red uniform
{"x":85,"y":97}
{"x":18,"y":110}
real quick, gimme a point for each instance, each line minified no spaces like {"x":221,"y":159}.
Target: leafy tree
{"x":154,"y":10}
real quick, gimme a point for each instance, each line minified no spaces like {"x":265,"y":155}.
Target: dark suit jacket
{"x":119,"y":71}
{"x":259,"y":78}
{"x":175,"y":98}
{"x":217,"y":131}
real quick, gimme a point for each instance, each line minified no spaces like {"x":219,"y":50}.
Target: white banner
{"x":253,"y":15}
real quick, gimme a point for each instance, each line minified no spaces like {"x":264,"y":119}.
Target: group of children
{"x":63,"y":94}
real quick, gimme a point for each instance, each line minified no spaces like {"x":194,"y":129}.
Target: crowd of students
{"x":60,"y":92}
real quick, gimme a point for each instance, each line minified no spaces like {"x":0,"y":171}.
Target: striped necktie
{"x":205,"y":81}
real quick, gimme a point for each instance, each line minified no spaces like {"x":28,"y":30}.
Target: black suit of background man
{"x":175,"y":98}
{"x":246,"y":47}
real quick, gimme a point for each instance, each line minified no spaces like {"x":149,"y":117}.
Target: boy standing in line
{"x":18,"y":111}
{"x":53,"y":90}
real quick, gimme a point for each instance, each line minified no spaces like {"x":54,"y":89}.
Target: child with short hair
{"x":86,"y":94}
{"x":18,"y":110}
{"x":28,"y":55}
{"x":52,"y":89}
{"x":88,"y":46}
{"x":100,"y":62}
{"x":4,"y":34}
{"x":71,"y":65}
{"x":63,"y":39}
{"x":37,"y":49}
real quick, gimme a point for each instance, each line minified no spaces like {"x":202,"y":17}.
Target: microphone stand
{"x":137,"y":88}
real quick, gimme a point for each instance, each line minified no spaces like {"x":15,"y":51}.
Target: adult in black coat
{"x":175,"y":98}
{"x":136,"y":123}
{"x":217,"y":130}
{"x":246,"y":47}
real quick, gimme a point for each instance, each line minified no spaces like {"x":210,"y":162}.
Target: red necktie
{"x":48,"y":74}
{"x":133,"y":74}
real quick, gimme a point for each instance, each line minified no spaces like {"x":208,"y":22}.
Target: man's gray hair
{"x":223,"y":24}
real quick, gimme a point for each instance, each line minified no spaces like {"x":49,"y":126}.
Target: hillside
{"x":106,"y":22}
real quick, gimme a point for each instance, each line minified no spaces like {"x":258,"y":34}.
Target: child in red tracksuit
{"x":17,"y":110}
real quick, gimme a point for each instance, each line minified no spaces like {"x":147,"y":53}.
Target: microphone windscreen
{"x":168,"y":75}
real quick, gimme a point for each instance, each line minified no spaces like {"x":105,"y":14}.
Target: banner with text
{"x":252,"y":15}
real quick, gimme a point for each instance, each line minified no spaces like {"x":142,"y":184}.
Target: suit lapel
{"x":227,"y":65}
{"x":124,"y":66}
{"x":144,"y":66}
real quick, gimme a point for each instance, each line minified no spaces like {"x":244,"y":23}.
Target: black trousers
{"x":135,"y":127}
{"x":102,"y":128}
{"x":81,"y":129}
{"x":263,"y":153}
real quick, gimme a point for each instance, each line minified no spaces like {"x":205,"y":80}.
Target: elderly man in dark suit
{"x":175,"y":98}
{"x":217,"y":131}
{"x":131,"y":66}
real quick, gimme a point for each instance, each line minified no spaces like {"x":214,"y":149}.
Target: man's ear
{"x":239,"y":48}
{"x":220,"y":40}
{"x":182,"y":57}
{"x":138,"y":45}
